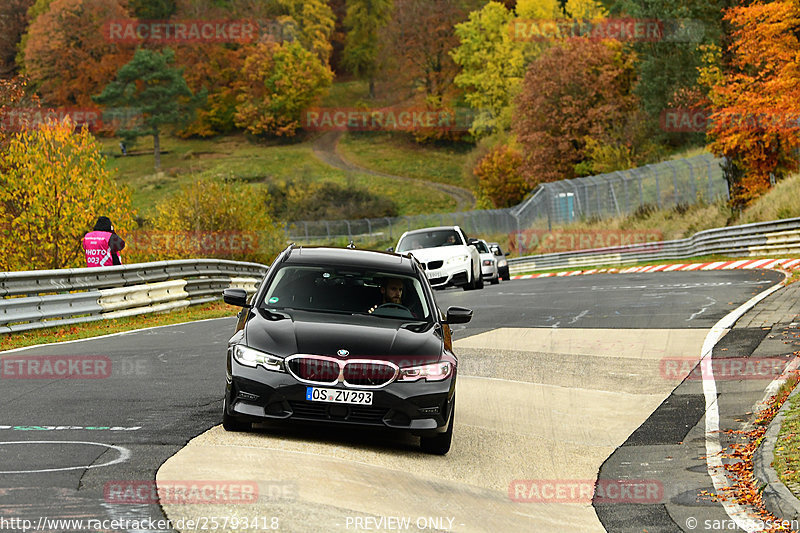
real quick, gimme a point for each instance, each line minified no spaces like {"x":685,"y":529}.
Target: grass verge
{"x":235,"y":157}
{"x":10,"y":341}
{"x":787,"y":447}
{"x":398,"y":155}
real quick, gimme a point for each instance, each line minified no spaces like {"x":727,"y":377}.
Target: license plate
{"x":434,"y":274}
{"x":315,"y":394}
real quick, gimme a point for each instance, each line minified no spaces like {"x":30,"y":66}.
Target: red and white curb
{"x":787,"y":264}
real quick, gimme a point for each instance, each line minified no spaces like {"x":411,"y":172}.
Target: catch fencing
{"x":660,"y":185}
{"x":45,"y":298}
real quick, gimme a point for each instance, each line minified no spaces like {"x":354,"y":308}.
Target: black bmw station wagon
{"x":344,"y":336}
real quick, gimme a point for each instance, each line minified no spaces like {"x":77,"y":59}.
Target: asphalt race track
{"x":561,"y":380}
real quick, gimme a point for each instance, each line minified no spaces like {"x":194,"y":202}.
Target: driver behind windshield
{"x":392,"y":291}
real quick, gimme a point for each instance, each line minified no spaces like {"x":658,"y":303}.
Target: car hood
{"x":292,"y":332}
{"x":440,"y":253}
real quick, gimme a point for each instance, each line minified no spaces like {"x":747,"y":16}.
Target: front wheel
{"x":440,"y":444}
{"x":473,"y":283}
{"x":231,"y":423}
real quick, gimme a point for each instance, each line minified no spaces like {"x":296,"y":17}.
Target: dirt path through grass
{"x":325,"y":149}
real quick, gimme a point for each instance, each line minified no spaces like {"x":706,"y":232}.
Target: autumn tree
{"x":315,"y":21}
{"x":493,"y":53}
{"x":13,"y":23}
{"x":152,"y":9}
{"x":755,"y":101}
{"x":67,"y":55}
{"x":38,"y":7}
{"x":208,"y":207}
{"x":150,"y":84}
{"x":15,"y":93}
{"x":419,"y":40}
{"x":53,"y":186}
{"x":500,"y":179}
{"x":574,"y":91}
{"x":492,"y":66}
{"x":279,"y":82}
{"x":667,"y":68}
{"x":364,"y":22}
{"x":218,"y":70}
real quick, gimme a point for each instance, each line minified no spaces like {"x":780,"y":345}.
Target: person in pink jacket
{"x":102,"y":245}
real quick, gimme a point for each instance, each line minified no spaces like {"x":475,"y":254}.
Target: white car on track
{"x":448,"y":256}
{"x":488,"y":263}
{"x":502,"y":262}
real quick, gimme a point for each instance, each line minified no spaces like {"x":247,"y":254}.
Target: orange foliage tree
{"x":579,"y":90}
{"x":280,"y":81}
{"x":67,"y":53}
{"x":755,"y":102}
{"x":499,"y":177}
{"x":218,"y":70}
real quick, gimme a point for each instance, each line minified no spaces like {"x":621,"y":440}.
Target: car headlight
{"x":488,"y":262}
{"x":431,"y":372}
{"x":458,"y":259}
{"x":250,"y":357}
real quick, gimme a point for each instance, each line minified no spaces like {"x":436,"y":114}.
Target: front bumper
{"x":423,"y":408}
{"x":445,"y":278}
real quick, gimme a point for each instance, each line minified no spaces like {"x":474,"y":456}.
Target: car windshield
{"x":347,"y":291}
{"x":482,"y":248}
{"x":429,"y":239}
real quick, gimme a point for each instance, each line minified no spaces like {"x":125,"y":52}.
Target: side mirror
{"x":458,"y":315}
{"x":237,"y":297}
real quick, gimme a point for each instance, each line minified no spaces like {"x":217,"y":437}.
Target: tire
{"x":505,"y":276}
{"x":440,"y":444}
{"x":472,"y":284}
{"x":479,"y":282}
{"x":495,"y":280}
{"x":231,"y":423}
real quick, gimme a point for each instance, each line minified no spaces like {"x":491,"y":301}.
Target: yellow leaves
{"x":52,"y":189}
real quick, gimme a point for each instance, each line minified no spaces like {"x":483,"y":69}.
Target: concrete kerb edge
{"x":778,"y":499}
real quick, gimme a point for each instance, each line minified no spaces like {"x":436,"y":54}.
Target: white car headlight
{"x":250,"y":357}
{"x":458,"y":259}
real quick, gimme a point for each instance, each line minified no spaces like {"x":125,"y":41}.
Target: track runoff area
{"x":559,"y":381}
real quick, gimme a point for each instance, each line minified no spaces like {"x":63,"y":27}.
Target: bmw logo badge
{"x":342,"y":353}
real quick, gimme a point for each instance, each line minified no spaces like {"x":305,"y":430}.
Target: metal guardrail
{"x":45,"y":298}
{"x":779,"y":237}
